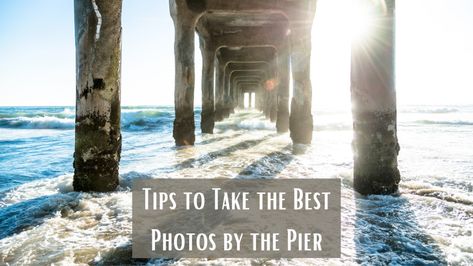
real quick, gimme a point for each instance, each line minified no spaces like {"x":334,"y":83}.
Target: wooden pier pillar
{"x":259,"y":98}
{"x":184,"y":126}
{"x":98,"y":63}
{"x":267,"y":104}
{"x":219,"y":93}
{"x":241,"y":99}
{"x":300,"y":121}
{"x":207,"y":122}
{"x":374,"y":112}
{"x":250,"y":100}
{"x":282,"y":122}
{"x":273,"y":115}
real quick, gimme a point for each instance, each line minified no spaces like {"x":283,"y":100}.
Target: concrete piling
{"x":98,"y":64}
{"x":208,"y":58}
{"x":375,"y":142}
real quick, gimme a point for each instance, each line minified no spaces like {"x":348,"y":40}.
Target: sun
{"x":361,"y":20}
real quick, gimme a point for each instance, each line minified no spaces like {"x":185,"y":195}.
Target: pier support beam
{"x":98,"y":62}
{"x":219,"y":91}
{"x":300,"y":121}
{"x":259,"y":98}
{"x":184,"y":125}
{"x":273,"y":100}
{"x":374,"y":112}
{"x":282,"y":122}
{"x":241,"y":99}
{"x":207,"y":122}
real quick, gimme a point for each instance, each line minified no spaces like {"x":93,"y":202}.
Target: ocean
{"x":43,"y":221}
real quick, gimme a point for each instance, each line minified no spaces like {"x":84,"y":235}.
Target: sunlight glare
{"x":361,"y":24}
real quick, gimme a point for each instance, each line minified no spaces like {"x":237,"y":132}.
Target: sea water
{"x":43,"y":221}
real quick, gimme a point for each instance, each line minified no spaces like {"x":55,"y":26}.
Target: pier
{"x":247,"y":46}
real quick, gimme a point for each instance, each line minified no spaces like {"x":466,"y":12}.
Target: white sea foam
{"x":38,"y":188}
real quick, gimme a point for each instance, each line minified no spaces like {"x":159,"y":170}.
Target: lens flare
{"x":270,"y":84}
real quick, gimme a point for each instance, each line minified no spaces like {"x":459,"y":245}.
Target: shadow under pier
{"x":387,"y":233}
{"x":208,"y":157}
{"x":268,"y":166}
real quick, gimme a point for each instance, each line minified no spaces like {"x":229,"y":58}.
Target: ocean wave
{"x":37,"y":188}
{"x":96,"y":224}
{"x":445,"y":195}
{"x":445,"y":122}
{"x":445,"y":110}
{"x":59,"y":185}
{"x":40,"y":122}
{"x":426,"y":110}
{"x":256,"y":124}
{"x":146,"y":119}
{"x":68,"y":111}
{"x":428,"y":190}
{"x":132,"y":119}
{"x":157,"y":118}
{"x":333,"y":127}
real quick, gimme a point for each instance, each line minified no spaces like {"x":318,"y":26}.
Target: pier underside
{"x":252,"y":47}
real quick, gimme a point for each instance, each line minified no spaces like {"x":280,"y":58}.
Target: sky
{"x":434,"y":56}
